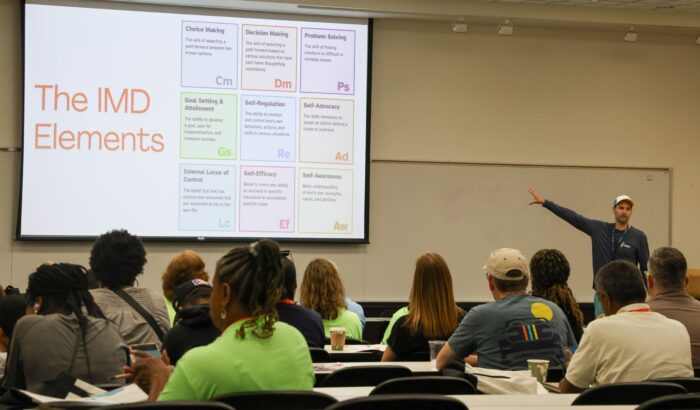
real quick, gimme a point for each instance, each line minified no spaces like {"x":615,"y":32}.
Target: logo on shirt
{"x":529,"y":338}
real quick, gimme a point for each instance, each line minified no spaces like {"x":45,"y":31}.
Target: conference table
{"x":484,"y":401}
{"x":418,"y":368}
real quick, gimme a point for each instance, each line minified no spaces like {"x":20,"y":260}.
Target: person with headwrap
{"x":63,"y":331}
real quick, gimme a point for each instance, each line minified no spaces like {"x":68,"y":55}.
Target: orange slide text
{"x":49,"y":136}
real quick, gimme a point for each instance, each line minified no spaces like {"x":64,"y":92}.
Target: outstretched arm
{"x":579,"y":222}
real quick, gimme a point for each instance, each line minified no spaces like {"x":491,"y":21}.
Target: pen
{"x":119,"y":376}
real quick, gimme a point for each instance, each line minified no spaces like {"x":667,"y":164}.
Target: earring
{"x":223,"y":313}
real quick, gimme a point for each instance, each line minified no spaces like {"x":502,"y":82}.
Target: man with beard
{"x":609,"y":241}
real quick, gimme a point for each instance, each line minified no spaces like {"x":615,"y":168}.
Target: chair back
{"x":400,"y":402}
{"x":692,"y":384}
{"x":626,"y":393}
{"x":364,"y":375}
{"x":473,"y":380}
{"x":696,"y":370}
{"x":674,"y":401}
{"x":319,"y":355}
{"x":369,"y":356}
{"x":173,"y":405}
{"x":278,"y":400}
{"x":425,"y":384}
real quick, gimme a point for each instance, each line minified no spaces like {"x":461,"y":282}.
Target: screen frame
{"x":207,"y":12}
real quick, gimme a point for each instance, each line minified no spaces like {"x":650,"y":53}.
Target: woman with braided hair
{"x":254,"y":352}
{"x":63,"y":331}
{"x":550,"y":274}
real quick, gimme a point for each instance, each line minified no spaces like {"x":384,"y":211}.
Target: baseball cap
{"x":621,"y":198}
{"x":501,"y":261}
{"x":185,"y":289}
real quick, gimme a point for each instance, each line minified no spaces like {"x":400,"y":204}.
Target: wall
{"x":549,"y":96}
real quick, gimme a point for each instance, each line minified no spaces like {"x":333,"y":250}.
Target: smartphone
{"x":152,"y":349}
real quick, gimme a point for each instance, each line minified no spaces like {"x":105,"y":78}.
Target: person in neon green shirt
{"x":322,"y":290}
{"x":396,"y":316}
{"x":254,"y":352}
{"x":347,"y":319}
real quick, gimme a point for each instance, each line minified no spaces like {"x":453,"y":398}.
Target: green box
{"x":208,"y":126}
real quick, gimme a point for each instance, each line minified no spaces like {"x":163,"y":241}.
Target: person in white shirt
{"x":631,"y":343}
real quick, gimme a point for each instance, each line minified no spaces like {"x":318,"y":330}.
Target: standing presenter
{"x":609,"y":241}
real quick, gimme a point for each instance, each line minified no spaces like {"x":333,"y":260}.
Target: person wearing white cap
{"x":516,"y":327}
{"x":609,"y":241}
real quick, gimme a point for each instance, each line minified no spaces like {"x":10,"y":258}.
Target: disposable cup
{"x":338,"y":338}
{"x":435,"y":346}
{"x":538,"y":369}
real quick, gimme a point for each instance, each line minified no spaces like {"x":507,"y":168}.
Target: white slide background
{"x":84,"y":192}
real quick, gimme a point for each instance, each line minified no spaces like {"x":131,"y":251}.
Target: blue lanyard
{"x":619,"y":242}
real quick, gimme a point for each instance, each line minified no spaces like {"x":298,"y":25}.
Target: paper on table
{"x":492,"y":381}
{"x":357,"y":348}
{"x":130,"y":393}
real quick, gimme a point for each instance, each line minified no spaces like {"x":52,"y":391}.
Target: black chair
{"x":387,"y":312}
{"x":692,"y":384}
{"x":425,"y":384}
{"x":697,"y":371}
{"x":674,"y":401}
{"x":319,"y":355}
{"x":626,"y":393}
{"x":473,"y":380}
{"x":364,"y":375}
{"x":278,"y":400}
{"x":369,"y":356}
{"x":400,"y":402}
{"x":173,"y":405}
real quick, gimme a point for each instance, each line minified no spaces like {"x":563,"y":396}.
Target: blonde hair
{"x":186,"y":265}
{"x":431,"y":304}
{"x":322,"y":290}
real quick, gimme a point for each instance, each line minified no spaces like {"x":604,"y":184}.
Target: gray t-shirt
{"x":132,"y":326}
{"x":507,"y":332}
{"x":44,"y":346}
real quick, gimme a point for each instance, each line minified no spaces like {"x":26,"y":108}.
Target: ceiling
{"x":679,"y":6}
{"x":644,"y":15}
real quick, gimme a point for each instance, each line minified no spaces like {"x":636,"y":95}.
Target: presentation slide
{"x":193,"y":126}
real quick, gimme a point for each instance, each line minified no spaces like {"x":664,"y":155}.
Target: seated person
{"x":64,"y":331}
{"x":667,"y":279}
{"x":193,"y":325}
{"x":631,"y":343}
{"x":396,"y":316}
{"x":307,"y":321}
{"x":254,"y":352}
{"x":117,"y":257}
{"x":550,"y":273}
{"x":183,"y":267}
{"x":514,"y":328}
{"x":322,"y":290}
{"x":433,"y":313}
{"x":357,"y":309}
{"x":12,"y":308}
